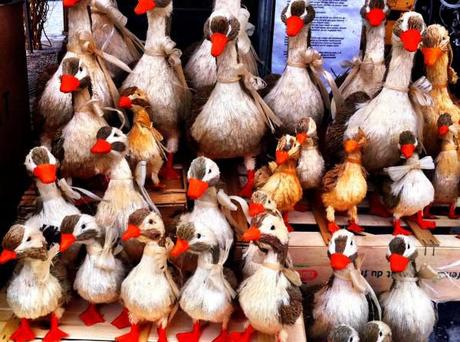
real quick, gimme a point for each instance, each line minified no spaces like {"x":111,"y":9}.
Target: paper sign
{"x":336,"y":33}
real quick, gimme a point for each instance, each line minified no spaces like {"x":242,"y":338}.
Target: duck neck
{"x":227,"y":62}
{"x":272,"y":257}
{"x":297,"y":46}
{"x":400,"y":69}
{"x":120,"y":170}
{"x":409,"y":272}
{"x":39,"y":268}
{"x":354,"y":158}
{"x":412,"y":160}
{"x":288,"y":167}
{"x":81,"y":98}
{"x":142,"y":116}
{"x":79,"y":20}
{"x":209,"y":197}
{"x":233,"y":6}
{"x":375,"y":43}
{"x":155,"y":256}
{"x":157,"y":29}
{"x":437,"y":73}
{"x":449,"y":143}
{"x":48,"y":191}
{"x":93,"y":247}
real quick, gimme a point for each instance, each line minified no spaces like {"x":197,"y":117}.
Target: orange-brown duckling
{"x":345,"y":185}
{"x":283,"y":184}
{"x":144,"y":140}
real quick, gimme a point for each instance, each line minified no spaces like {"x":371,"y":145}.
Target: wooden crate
{"x":71,"y":324}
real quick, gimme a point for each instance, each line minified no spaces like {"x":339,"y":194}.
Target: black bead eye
{"x":80,"y":69}
{"x":272,"y":228}
{"x":83,"y":226}
{"x":351,"y":243}
{"x":198,"y":236}
{"x":116,"y":135}
{"x":380,"y":333}
{"x":209,"y":171}
{"x":28,"y":239}
{"x":408,"y":246}
{"x":150,"y":221}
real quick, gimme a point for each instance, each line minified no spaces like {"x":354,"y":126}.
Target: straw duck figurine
{"x":310,"y":167}
{"x":149,"y":292}
{"x":345,"y":186}
{"x":367,"y":71}
{"x":346,"y":285}
{"x":447,"y":174}
{"x":407,"y":309}
{"x":145,"y":142}
{"x":392,"y":111}
{"x":298,"y":93}
{"x":283,"y":183}
{"x":277,"y":304}
{"x":234,"y":118}
{"x":438,"y":58}
{"x":201,"y":68}
{"x":376,"y":331}
{"x":343,"y":333}
{"x":409,"y":190}
{"x":209,"y":293}
{"x":39,"y":287}
{"x":99,"y":277}
{"x":159,"y":73}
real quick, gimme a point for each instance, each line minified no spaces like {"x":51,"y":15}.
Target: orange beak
{"x":69,"y":83}
{"x":350,"y":146}
{"x":7,"y":255}
{"x":398,"y":263}
{"x":196,"y":188}
{"x":375,"y":16}
{"x":301,"y":137}
{"x":219,"y":41}
{"x":252,"y":234}
{"x":293,"y":25}
{"x":180,"y":247}
{"x":67,"y":240}
{"x":407,"y":150}
{"x":411,"y":39}
{"x":125,"y":102}
{"x":431,"y":55}
{"x":339,"y":261}
{"x":101,"y":147}
{"x":133,"y":231}
{"x":281,"y":157}
{"x":443,"y":130}
{"x":143,"y":6}
{"x":46,"y":173}
{"x":255,"y":209}
{"x":70,"y":3}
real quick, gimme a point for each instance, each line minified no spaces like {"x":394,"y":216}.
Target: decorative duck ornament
{"x":234,"y":119}
{"x":209,"y":293}
{"x":393,"y":110}
{"x":299,"y":92}
{"x":407,"y":309}
{"x":145,"y":142}
{"x":39,"y":287}
{"x":52,"y":206}
{"x":159,"y":73}
{"x":310,"y":167}
{"x":345,"y":186}
{"x":149,"y":292}
{"x":367,"y":71}
{"x":283,"y":184}
{"x":99,"y":277}
{"x":409,"y":191}
{"x":277,"y":304}
{"x":438,"y":57}
{"x":447,"y":174}
{"x":343,"y":333}
{"x":346,"y":285}
{"x":201,"y":68}
{"x":376,"y":331}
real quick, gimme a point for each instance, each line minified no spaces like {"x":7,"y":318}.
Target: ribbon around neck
{"x":396,"y":173}
{"x":291,"y":274}
{"x":355,"y":65}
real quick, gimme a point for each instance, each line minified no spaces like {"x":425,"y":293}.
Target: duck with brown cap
{"x":347,"y":298}
{"x":407,"y":309}
{"x":159,"y":73}
{"x":99,"y":277}
{"x":376,"y":331}
{"x":438,"y":58}
{"x":149,"y":292}
{"x":209,"y":293}
{"x":409,"y":190}
{"x":343,"y":333}
{"x":39,"y":288}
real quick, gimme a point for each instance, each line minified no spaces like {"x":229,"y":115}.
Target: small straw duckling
{"x":39,"y":287}
{"x":343,"y":333}
{"x":145,"y":142}
{"x":209,"y":294}
{"x":310,"y":167}
{"x":407,"y":309}
{"x":376,"y":331}
{"x":270,"y":297}
{"x":283,"y":184}
{"x":447,"y":174}
{"x":347,"y":298}
{"x":149,"y":292}
{"x":409,"y":191}
{"x":345,"y":186}
{"x":99,"y":277}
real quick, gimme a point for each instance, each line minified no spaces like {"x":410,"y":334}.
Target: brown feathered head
{"x":297,"y":15}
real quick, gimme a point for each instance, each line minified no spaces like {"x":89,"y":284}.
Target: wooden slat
{"x":423,"y":235}
{"x":320,"y":216}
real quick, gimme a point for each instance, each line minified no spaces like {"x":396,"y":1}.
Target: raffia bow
{"x":396,"y":173}
{"x":355,"y":65}
{"x":291,"y":274}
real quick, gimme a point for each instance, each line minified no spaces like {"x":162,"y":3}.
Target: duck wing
{"x":271,"y":81}
{"x":389,"y":199}
{"x":289,"y":313}
{"x":57,"y":146}
{"x":331,"y":178}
